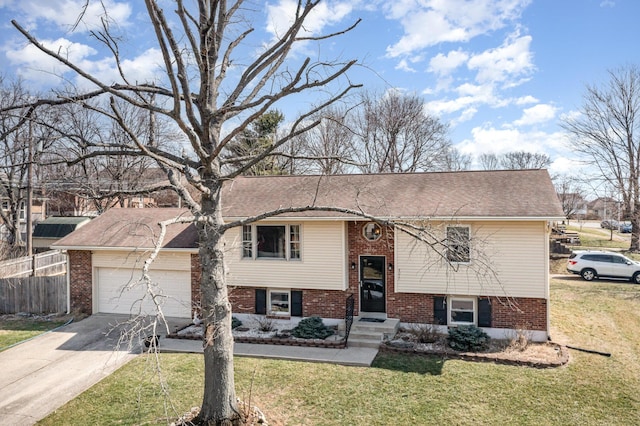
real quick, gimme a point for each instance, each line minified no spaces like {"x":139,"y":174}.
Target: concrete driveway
{"x":40,"y":375}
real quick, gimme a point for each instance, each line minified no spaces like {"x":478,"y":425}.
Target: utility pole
{"x":30,"y":193}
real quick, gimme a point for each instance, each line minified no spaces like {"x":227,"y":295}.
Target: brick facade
{"x":81,"y":282}
{"x":515,"y":313}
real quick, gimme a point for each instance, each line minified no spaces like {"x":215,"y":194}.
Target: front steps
{"x":370,"y":334}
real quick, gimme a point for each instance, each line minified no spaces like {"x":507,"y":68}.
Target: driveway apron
{"x":44,"y":373}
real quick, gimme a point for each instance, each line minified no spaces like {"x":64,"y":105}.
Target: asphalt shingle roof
{"x":472,"y":194}
{"x":521,"y":194}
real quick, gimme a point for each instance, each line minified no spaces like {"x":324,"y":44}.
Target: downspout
{"x":68,"y":284}
{"x":547,"y":235}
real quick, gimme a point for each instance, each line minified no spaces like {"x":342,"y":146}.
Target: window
{"x":271,"y":242}
{"x":5,"y":205}
{"x":294,"y":241}
{"x":279,"y":302}
{"x":247,"y":242}
{"x":458,"y":239}
{"x":462,"y":311}
{"x":372,"y":231}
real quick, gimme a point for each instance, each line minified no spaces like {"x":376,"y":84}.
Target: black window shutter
{"x":440,"y":310}
{"x":296,"y":303}
{"x":484,"y":312}
{"x":261,"y":301}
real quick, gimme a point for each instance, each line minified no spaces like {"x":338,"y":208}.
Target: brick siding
{"x":80,"y":286}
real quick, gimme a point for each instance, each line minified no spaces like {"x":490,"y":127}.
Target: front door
{"x":372,"y":283}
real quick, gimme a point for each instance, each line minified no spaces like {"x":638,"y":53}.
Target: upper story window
{"x":372,"y":231}
{"x":458,"y":244}
{"x":271,"y":242}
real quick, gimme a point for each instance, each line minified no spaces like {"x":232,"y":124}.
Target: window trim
{"x":450,"y":301}
{"x":375,"y":236}
{"x":452,"y":259}
{"x":277,"y":313}
{"x":288,"y":242}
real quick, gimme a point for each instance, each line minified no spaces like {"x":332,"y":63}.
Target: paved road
{"x":40,"y":375}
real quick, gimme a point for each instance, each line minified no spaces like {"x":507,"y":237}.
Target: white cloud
{"x":280,"y":16}
{"x":488,"y":139}
{"x":65,"y":13}
{"x":446,"y":64}
{"x":510,"y":61}
{"x":403,"y":65}
{"x":430,"y":22}
{"x":540,"y":113}
{"x":525,"y":100}
{"x":34,"y":65}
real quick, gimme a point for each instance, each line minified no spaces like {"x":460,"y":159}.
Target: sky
{"x":501,"y":73}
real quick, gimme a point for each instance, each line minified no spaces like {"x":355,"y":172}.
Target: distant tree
{"x":489,"y":161}
{"x":606,"y":133}
{"x":394,"y":134}
{"x":23,"y":135}
{"x":519,"y":160}
{"x":570,"y":194}
{"x":328,"y":147}
{"x":258,"y":137}
{"x":514,"y":160}
{"x":455,"y":161}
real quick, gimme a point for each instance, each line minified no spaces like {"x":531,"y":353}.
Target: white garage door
{"x":118,"y":292}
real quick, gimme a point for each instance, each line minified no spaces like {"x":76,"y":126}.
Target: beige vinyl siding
{"x":322,"y":265}
{"x":515,"y":252}
{"x":135,"y":259}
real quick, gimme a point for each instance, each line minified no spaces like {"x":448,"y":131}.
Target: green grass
{"x":17,"y":330}
{"x":590,"y":390}
{"x":598,"y":238}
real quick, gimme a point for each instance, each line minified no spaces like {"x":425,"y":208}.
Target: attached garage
{"x":118,"y":288}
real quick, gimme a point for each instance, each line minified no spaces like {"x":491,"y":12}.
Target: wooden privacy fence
{"x":34,"y":284}
{"x":53,"y":262}
{"x":46,"y":295}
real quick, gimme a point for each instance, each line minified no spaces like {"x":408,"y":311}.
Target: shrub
{"x":235,"y":322}
{"x":265,"y":324}
{"x":425,"y":333}
{"x":468,"y":338}
{"x":312,"y":328}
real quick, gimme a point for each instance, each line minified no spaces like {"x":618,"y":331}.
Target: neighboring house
{"x":38,"y":213}
{"x":604,"y":208}
{"x":490,"y":230}
{"x":53,"y":228}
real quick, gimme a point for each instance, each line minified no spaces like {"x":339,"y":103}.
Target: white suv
{"x":596,"y":264}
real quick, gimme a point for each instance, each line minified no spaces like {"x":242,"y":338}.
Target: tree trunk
{"x":635,"y":234}
{"x":219,"y":402}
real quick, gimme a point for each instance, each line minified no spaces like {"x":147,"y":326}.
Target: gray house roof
{"x":516,"y":194}
{"x":474,"y":195}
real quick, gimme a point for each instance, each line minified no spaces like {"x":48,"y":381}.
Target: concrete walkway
{"x":44,"y":373}
{"x":349,"y":356}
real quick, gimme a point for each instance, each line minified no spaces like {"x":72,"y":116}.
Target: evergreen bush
{"x":468,"y":338}
{"x":235,"y":322}
{"x":312,"y":328}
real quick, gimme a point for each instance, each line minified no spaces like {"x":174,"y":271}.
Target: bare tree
{"x":328,"y":148}
{"x":606,"y":133}
{"x":203,"y":91}
{"x":22,"y":137}
{"x":570,"y":194}
{"x":455,"y":161}
{"x":95,"y":183}
{"x":489,"y":161}
{"x":394,"y":134}
{"x":520,"y":160}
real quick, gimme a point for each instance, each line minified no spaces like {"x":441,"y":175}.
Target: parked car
{"x":625,"y":228}
{"x":600,"y":264}
{"x":609,"y":224}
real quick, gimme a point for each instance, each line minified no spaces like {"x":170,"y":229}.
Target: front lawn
{"x":15,"y":329}
{"x":398,"y":389}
